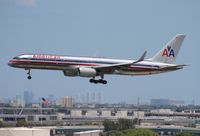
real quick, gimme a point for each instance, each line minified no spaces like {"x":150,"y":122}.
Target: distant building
{"x":65,"y":102}
{"x":17,"y":101}
{"x":162,"y":111}
{"x":24,"y":132}
{"x":51,"y":97}
{"x":77,"y":99}
{"x":177,"y":102}
{"x":88,"y":98}
{"x":99,"y":98}
{"x":51,"y":100}
{"x":29,"y":97}
{"x":88,"y":133}
{"x":165,"y":102}
{"x":93,"y":97}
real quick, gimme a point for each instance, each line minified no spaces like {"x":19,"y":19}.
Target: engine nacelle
{"x":87,"y":72}
{"x":71,"y":72}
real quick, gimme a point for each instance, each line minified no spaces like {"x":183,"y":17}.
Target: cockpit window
{"x":16,"y":57}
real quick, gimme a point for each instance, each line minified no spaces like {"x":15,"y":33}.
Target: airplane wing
{"x":114,"y":66}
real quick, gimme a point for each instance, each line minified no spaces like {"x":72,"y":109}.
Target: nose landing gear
{"x":29,"y":74}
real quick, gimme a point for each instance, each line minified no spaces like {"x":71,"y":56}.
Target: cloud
{"x":28,"y":3}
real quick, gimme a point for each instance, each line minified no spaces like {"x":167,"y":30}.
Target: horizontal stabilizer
{"x":176,"y":67}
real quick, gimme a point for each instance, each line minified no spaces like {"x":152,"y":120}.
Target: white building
{"x":24,"y":132}
{"x":88,"y":133}
{"x":65,"y":102}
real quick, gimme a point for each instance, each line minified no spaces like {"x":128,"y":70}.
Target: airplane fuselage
{"x":66,"y":63}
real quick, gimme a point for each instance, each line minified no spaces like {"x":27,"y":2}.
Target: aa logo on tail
{"x":168,"y":52}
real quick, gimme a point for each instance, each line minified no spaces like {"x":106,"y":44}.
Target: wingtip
{"x":180,"y":35}
{"x":143,"y":56}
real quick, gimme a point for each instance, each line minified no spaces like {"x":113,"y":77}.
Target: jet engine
{"x":71,"y":72}
{"x":87,"y":72}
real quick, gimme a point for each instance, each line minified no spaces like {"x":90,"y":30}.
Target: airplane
{"x":92,"y":67}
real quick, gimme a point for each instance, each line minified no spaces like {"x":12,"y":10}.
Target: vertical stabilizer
{"x":170,"y":51}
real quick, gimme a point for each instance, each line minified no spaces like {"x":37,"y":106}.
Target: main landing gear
{"x":101,"y":81}
{"x":29,"y":74}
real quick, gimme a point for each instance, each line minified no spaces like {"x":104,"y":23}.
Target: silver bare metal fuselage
{"x":64,"y":63}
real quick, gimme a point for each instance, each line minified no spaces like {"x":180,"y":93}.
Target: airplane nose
{"x":10,"y":63}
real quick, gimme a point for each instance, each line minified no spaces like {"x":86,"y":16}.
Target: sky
{"x":121,"y":29}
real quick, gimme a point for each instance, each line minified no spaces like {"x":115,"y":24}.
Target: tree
{"x":130,"y":132}
{"x":109,"y":125}
{"x":124,"y":124}
{"x":121,"y":124}
{"x":183,"y":134}
{"x":1,"y":124}
{"x":68,"y":133}
{"x":21,"y":123}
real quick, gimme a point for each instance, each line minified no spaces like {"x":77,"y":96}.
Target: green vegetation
{"x":70,"y":133}
{"x":121,"y":124}
{"x":183,"y":134}
{"x":1,"y":124}
{"x":124,"y":127}
{"x":21,"y":123}
{"x":130,"y":132}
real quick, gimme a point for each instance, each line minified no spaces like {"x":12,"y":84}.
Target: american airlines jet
{"x":93,"y":67}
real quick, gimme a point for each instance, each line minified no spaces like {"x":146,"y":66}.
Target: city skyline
{"x":29,"y":97}
{"x":114,"y":29}
{"x":87,"y":98}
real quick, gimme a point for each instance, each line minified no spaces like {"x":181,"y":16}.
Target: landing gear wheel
{"x":92,"y":80}
{"x":100,"y":81}
{"x":104,"y":82}
{"x":96,"y":81}
{"x":29,"y":77}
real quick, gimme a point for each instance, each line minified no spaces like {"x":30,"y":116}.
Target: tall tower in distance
{"x":67,"y":102}
{"x":99,"y":97}
{"x":29,"y":97}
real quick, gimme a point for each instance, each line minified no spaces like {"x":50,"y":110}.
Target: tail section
{"x":170,"y":51}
